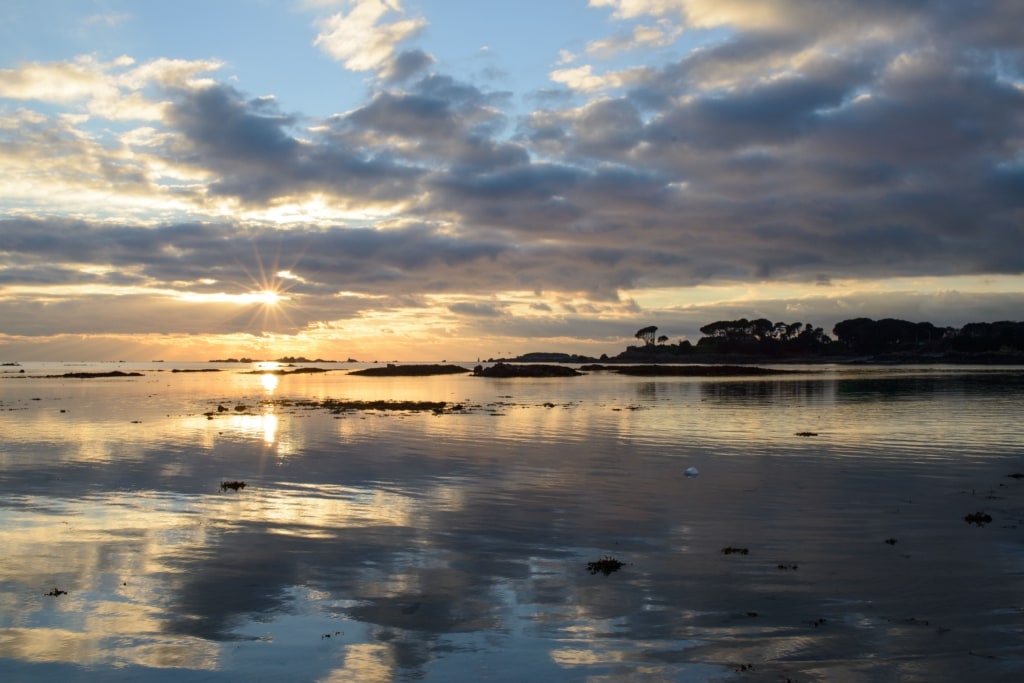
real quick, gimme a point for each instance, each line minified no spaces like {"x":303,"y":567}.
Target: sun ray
{"x":267,"y":293}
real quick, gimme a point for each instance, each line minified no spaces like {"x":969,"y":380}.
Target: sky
{"x":450,"y":180}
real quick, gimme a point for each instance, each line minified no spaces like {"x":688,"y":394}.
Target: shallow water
{"x":397,"y":545}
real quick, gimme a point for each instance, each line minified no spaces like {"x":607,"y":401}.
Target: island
{"x":854,"y":341}
{"x":506,"y":370}
{"x":283,"y":371}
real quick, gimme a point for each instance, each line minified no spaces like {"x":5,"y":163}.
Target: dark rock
{"x":393,"y":370}
{"x":505,"y":370}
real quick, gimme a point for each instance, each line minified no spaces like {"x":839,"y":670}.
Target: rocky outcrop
{"x":504,"y":370}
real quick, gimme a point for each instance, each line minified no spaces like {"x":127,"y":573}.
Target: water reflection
{"x":400,"y":545}
{"x":269,"y":382}
{"x":766,"y":393}
{"x":264,"y":424}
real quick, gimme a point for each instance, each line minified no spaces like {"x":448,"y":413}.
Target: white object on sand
{"x":692,"y":472}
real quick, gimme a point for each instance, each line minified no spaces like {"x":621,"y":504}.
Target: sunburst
{"x":268,"y":300}
{"x":265,"y":297}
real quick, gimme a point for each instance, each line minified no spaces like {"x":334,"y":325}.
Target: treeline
{"x":867,"y":336}
{"x":855,"y":337}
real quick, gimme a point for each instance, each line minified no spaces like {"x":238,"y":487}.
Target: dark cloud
{"x":223,"y":126}
{"x":257,"y":159}
{"x":476,"y":310}
{"x":838,"y":141}
{"x":407,"y":64}
{"x":439,"y":122}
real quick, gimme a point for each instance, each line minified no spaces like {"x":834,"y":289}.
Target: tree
{"x":662,"y":339}
{"x":864,"y":335}
{"x":647,"y":334}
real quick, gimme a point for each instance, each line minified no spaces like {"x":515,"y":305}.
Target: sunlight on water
{"x":269,"y":383}
{"x":384,"y":544}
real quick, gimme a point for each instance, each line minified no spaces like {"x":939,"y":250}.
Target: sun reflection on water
{"x":269,"y":382}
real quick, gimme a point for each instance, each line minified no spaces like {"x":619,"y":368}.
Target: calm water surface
{"x":393,"y":545}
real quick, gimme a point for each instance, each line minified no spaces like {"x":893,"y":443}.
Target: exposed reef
{"x":93,"y":375}
{"x":392,"y":370}
{"x":281,"y":372}
{"x":504,"y":370}
{"x":338,"y":406}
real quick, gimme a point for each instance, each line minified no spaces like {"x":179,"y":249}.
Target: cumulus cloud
{"x":583,"y":78}
{"x":365,"y":37}
{"x":407,"y":64}
{"x":646,"y":36}
{"x":799,"y":146}
{"x":115,"y":90}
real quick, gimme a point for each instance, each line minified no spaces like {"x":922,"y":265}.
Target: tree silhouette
{"x":647,"y":334}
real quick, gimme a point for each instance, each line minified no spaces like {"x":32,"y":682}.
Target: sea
{"x":233,"y":522}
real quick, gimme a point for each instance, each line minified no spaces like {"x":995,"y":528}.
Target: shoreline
{"x":655,"y":358}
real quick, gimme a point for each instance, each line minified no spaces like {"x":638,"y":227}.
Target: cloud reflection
{"x":430,"y":547}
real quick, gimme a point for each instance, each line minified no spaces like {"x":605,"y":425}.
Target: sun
{"x":268,"y":297}
{"x":263,"y":297}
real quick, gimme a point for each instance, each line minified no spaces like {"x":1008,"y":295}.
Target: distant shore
{"x":656,"y":356}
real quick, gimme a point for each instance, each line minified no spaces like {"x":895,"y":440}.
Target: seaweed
{"x":93,"y":375}
{"x":979,"y":518}
{"x":338,"y":406}
{"x":606,"y":565}
{"x":392,"y":370}
{"x":730,"y":550}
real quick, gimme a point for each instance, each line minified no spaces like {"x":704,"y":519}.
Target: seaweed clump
{"x":280,"y":372}
{"x":606,"y":565}
{"x":93,"y":375}
{"x":393,"y":370}
{"x":337,"y":406}
{"x":978,"y":518}
{"x":233,"y":485}
{"x":505,"y":371}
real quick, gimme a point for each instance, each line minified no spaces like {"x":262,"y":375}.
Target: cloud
{"x":477,"y":310}
{"x":583,"y":78}
{"x":361,"y":39}
{"x":788,"y":148}
{"x":57,"y":82}
{"x":646,"y":36}
{"x":407,"y":64}
{"x":249,"y":146}
{"x":115,"y":90}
